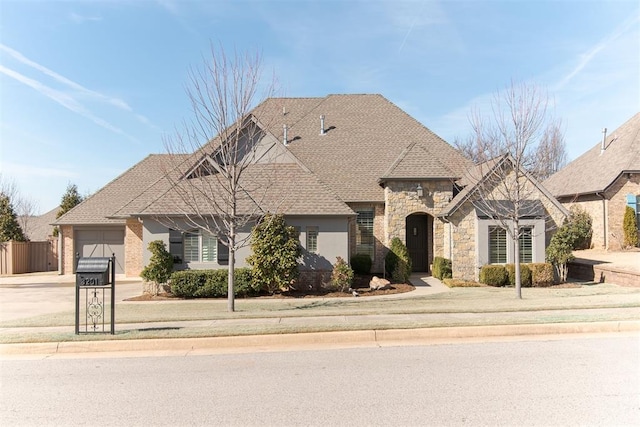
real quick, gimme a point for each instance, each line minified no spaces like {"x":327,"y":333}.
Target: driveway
{"x":29,"y":295}
{"x":623,"y":260}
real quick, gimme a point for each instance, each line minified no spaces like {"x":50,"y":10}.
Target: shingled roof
{"x":364,"y":136}
{"x":366,"y":141}
{"x":596,"y":170}
{"x":99,"y":208}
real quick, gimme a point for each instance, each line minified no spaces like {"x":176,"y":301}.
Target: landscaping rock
{"x":378,"y":283}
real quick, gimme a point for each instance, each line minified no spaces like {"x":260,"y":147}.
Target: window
{"x":526,"y":244}
{"x":312,"y":239}
{"x":364,"y":232}
{"x":497,"y":245}
{"x":199,"y":247}
{"x":176,"y":246}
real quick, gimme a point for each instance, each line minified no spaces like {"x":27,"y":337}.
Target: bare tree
{"x":25,"y":207}
{"x":217,"y":163}
{"x":508,"y":141}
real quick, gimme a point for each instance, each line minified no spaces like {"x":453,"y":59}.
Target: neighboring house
{"x":39,"y":228}
{"x":350,"y":172}
{"x":603,"y":181}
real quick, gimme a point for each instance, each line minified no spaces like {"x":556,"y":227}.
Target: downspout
{"x":59,"y":250}
{"x":604,"y":219}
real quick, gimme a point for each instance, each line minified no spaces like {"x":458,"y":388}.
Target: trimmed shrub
{"x":494,"y":275}
{"x":361,"y":263}
{"x":525,"y":275}
{"x":441,"y":268}
{"x":160,"y":265}
{"x":579,"y":223}
{"x":630,"y":228}
{"x":541,"y":274}
{"x":342,"y":276}
{"x":398,"y":262}
{"x":212,"y":283}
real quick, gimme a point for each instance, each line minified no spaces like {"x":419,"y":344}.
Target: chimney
{"x":285,"y":141}
{"x":604,"y":141}
{"x":322,"y":132}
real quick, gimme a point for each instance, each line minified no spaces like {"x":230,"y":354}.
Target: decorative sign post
{"x":94,"y":276}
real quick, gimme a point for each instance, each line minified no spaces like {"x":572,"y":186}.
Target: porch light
{"x":419,"y":190}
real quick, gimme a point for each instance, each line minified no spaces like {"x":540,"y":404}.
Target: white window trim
{"x":482,"y":240}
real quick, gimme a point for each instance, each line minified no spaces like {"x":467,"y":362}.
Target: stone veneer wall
{"x":608,"y":215}
{"x":402,"y":200}
{"x":133,"y":248}
{"x":380,"y":249}
{"x":68,"y":256}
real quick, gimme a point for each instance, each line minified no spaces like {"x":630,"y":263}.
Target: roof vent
{"x":604,"y":141}
{"x":322,"y":132}
{"x":285,"y":140}
{"x":284,"y":110}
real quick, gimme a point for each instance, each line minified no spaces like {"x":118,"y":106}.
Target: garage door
{"x":102,"y":243}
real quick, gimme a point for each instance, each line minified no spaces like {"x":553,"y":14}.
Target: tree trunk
{"x":232,"y":264}
{"x":516,"y":261}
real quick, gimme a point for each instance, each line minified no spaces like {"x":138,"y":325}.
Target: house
{"x":603,"y":181}
{"x":350,"y":172}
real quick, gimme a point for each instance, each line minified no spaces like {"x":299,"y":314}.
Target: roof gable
{"x":595,"y":170}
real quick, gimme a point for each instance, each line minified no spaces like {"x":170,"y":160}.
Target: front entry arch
{"x":419,"y":240}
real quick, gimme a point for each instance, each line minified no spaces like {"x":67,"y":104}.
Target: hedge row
{"x":212,"y":283}
{"x":534,"y":274}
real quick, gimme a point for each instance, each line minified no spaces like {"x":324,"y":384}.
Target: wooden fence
{"x":28,"y":257}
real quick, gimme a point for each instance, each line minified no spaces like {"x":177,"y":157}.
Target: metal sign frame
{"x":96,"y":282}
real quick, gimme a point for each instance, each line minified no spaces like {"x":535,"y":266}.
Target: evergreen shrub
{"x":361,"y":263}
{"x":212,"y":283}
{"x":494,"y":275}
{"x":630,"y":227}
{"x":541,"y":274}
{"x":525,"y":275}
{"x":398,"y":262}
{"x":341,"y":276}
{"x":441,"y":268}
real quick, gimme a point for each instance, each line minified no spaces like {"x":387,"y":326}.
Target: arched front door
{"x":417,"y":237}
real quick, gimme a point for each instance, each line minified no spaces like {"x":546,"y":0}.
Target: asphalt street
{"x":569,"y":381}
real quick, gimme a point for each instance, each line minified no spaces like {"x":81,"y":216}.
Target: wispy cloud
{"x":63,"y":99}
{"x":588,"y":56}
{"x":80,"y":19}
{"x":116,"y":102}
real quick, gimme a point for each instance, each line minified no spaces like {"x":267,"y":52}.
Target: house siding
{"x":133,"y":248}
{"x":380,"y":248}
{"x":68,"y":256}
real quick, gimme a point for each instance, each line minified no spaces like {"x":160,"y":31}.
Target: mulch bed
{"x":361,"y":285}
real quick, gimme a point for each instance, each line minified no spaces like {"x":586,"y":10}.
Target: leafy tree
{"x":580,"y":225}
{"x":160,"y":265}
{"x":70,"y":199}
{"x":560,"y":250}
{"x":630,"y":227}
{"x":276,"y":251}
{"x":9,"y":227}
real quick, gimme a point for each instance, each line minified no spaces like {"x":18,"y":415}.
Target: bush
{"x":212,"y":283}
{"x":398,"y":262}
{"x":458,"y":283}
{"x":342,"y":276}
{"x":525,"y":275}
{"x":560,"y":251}
{"x":160,"y":265}
{"x":541,"y":274}
{"x":630,"y":228}
{"x":361,"y":263}
{"x":580,"y":228}
{"x":441,"y":268}
{"x":494,"y":275}
{"x":276,"y":250}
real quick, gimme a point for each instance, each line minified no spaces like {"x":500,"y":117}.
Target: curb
{"x":310,"y":340}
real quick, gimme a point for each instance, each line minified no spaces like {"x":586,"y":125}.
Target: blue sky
{"x":89,"y":88}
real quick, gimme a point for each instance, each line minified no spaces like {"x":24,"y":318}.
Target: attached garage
{"x":101,"y":242}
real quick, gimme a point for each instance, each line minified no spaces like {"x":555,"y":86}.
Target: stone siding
{"x":133,"y":248}
{"x":463,"y":248}
{"x":402,"y":200}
